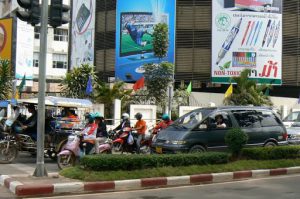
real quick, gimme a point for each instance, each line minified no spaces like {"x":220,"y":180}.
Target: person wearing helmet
{"x":124,"y":122}
{"x":101,"y":135}
{"x":89,"y":133}
{"x":164,"y":123}
{"x":140,"y":127}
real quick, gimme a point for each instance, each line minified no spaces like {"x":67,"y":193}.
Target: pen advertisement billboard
{"x":135,"y":22}
{"x":247,"y":34}
{"x":82,"y":32}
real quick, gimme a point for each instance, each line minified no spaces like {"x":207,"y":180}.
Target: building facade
{"x":193,"y":45}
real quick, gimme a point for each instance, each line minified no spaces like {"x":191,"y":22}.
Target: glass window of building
{"x":36,"y":59}
{"x":60,"y":34}
{"x":60,"y":61}
{"x":37,"y":32}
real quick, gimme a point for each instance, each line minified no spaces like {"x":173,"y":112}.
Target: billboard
{"x":24,"y":50}
{"x":7,"y":6}
{"x":247,"y":34}
{"x":6,"y":32}
{"x":82,"y":32}
{"x":135,"y":21}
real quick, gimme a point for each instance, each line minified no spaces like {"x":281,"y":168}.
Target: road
{"x":284,"y":187}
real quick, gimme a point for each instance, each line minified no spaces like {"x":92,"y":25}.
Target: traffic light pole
{"x":40,"y":170}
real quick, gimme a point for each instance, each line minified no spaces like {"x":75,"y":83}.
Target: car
{"x":294,"y":133}
{"x":291,"y":118}
{"x":197,"y":130}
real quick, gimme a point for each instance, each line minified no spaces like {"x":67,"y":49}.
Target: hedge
{"x":271,"y":153}
{"x":116,"y":162}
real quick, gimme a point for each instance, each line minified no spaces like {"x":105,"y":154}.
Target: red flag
{"x":139,"y":84}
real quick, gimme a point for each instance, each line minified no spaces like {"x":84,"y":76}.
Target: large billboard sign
{"x":247,"y":34}
{"x":6,"y":32}
{"x":135,"y":24}
{"x":82,"y":32}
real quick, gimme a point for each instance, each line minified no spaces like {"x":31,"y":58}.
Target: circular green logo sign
{"x":223,"y":21}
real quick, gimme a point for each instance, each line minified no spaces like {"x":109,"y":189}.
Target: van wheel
{"x":270,"y":144}
{"x":197,"y":149}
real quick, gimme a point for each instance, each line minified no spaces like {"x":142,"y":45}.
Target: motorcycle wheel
{"x":66,"y":161}
{"x":117,"y":147}
{"x":7,"y":155}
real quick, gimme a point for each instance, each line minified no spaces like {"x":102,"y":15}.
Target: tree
{"x":248,"y":92}
{"x":157,"y":79}
{"x":75,"y":83}
{"x":160,"y":40}
{"x":106,"y":95}
{"x":5,"y":79}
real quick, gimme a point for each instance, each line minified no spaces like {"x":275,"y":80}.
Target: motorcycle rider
{"x":29,"y":127}
{"x":141,"y":127}
{"x":124,"y":122}
{"x":164,"y":123}
{"x":101,"y":135}
{"x":89,"y":134}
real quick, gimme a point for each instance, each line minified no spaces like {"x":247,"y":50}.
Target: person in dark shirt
{"x":29,"y":127}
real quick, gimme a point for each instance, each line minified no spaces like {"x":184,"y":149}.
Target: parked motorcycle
{"x":72,"y":151}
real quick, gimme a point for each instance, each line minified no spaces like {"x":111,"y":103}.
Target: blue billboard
{"x":134,"y":28}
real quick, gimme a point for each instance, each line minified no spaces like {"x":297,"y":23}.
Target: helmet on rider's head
{"x":98,"y":115}
{"x":138,"y":116}
{"x":91,"y":117}
{"x":125,"y":116}
{"x":165,"y":117}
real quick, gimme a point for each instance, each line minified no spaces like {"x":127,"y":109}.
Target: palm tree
{"x":5,"y":79}
{"x":248,"y":92}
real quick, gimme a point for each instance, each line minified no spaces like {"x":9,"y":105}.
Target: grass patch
{"x":88,"y":175}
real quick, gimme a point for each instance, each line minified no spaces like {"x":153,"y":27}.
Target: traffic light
{"x":58,"y":14}
{"x":32,"y":13}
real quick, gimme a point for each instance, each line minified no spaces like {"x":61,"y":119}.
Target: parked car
{"x":197,"y":130}
{"x":294,"y":133}
{"x":291,"y":118}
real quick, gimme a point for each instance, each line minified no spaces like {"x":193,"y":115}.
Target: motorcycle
{"x":124,"y":141}
{"x":71,"y":151}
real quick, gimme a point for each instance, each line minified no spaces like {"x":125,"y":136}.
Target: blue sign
{"x":135,"y":25}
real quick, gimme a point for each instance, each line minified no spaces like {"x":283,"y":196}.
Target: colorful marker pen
{"x":271,"y":33}
{"x":266,"y":33}
{"x":276,"y":34}
{"x":256,"y":26}
{"x":229,"y":40}
{"x":259,"y":29}
{"x":252,"y":27}
{"x":248,"y":26}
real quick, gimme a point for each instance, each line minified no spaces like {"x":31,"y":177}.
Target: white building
{"x":57,"y":51}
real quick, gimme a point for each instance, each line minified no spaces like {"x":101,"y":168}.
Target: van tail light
{"x":285,"y":136}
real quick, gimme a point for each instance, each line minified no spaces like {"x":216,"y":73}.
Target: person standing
{"x":141,"y":127}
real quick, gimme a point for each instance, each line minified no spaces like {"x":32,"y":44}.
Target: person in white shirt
{"x":220,"y":121}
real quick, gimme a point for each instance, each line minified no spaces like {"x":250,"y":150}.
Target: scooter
{"x":71,"y":151}
{"x":124,"y":142}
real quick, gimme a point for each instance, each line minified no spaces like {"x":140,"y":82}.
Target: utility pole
{"x":40,"y":169}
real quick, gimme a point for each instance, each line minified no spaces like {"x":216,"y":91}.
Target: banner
{"x":134,"y":28}
{"x":6,"y":28}
{"x":82,"y":32}
{"x":247,"y":34}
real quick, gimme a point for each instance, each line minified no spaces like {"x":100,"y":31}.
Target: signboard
{"x":7,"y":6}
{"x":247,"y":34}
{"x":135,"y":21}
{"x":6,"y":30}
{"x":83,"y":32}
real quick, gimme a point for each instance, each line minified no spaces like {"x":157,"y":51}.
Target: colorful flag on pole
{"x":189,"y":88}
{"x":139,"y":84}
{"x":22,"y":84}
{"x":267,"y":92}
{"x":89,"y":86}
{"x":229,"y":91}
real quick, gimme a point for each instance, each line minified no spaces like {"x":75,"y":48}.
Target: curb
{"x":20,"y":189}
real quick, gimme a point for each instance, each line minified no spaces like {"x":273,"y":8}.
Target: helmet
{"x":91,"y":117}
{"x":125,"y":116}
{"x":138,"y":116}
{"x":165,"y":117}
{"x":98,"y":115}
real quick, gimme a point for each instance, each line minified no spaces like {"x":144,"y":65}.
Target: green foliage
{"x":135,"y":162}
{"x":247,"y":92}
{"x":106,"y":94}
{"x":272,"y":153}
{"x":236,"y":139}
{"x":160,"y":40}
{"x":6,"y":78}
{"x":75,"y":82}
{"x":157,"y":79}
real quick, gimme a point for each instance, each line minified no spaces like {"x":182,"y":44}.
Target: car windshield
{"x":191,"y":119}
{"x":292,"y":117}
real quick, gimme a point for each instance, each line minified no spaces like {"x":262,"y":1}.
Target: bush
{"x":236,"y":139}
{"x":272,"y":153}
{"x":110,"y":162}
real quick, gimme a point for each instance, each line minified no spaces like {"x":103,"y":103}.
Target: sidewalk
{"x":26,"y":185}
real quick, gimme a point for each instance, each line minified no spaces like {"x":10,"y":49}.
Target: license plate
{"x":158,"y":150}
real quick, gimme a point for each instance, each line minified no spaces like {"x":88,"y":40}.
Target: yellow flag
{"x":229,"y":91}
